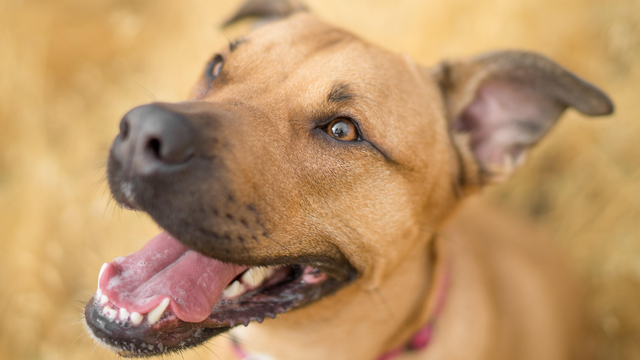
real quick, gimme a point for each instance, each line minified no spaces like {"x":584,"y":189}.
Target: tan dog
{"x":313,"y":173}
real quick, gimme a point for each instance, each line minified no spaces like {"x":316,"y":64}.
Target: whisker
{"x":147,"y":91}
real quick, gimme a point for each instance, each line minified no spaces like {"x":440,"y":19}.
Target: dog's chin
{"x":139,"y":313}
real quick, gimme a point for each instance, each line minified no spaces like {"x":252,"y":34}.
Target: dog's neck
{"x":370,"y":322}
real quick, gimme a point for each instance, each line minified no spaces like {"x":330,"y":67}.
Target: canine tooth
{"x":155,"y":314}
{"x":136,"y":318}
{"x":255,"y":276}
{"x":104,"y":266}
{"x":98,"y":294}
{"x":104,"y":299}
{"x":124,"y":314}
{"x":110,"y":312}
{"x":233,"y":290}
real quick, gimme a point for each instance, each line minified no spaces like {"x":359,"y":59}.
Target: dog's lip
{"x":158,"y":326}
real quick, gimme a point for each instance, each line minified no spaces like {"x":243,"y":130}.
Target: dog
{"x":314,"y":175}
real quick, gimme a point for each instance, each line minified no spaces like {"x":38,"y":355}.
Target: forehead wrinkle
{"x":342,"y":93}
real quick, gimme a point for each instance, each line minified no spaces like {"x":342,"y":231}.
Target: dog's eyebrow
{"x":339,"y":94}
{"x":233,"y":45}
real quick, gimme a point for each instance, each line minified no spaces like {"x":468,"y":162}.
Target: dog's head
{"x":305,"y":159}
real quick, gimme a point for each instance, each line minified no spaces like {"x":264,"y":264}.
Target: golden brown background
{"x":69,"y":69}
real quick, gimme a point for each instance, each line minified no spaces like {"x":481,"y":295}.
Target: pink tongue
{"x":166,"y":268}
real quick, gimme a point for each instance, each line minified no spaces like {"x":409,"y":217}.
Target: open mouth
{"x":166,"y":297}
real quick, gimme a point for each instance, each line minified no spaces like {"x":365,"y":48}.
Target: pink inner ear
{"x":505,"y":118}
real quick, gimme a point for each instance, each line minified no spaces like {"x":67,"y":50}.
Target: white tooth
{"x":268,"y":271}
{"x":104,"y":299}
{"x":255,"y":276}
{"x":124,"y":314}
{"x":104,"y":266}
{"x":155,"y":314}
{"x":136,"y":318}
{"x":110,"y":312}
{"x":233,"y":290}
{"x":98,"y":294}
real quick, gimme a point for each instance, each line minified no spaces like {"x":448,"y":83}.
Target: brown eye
{"x":343,"y":129}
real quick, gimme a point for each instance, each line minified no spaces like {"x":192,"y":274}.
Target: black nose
{"x":153,"y":139}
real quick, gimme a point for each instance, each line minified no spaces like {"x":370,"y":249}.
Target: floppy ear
{"x":501,"y":103}
{"x":266,"y":10}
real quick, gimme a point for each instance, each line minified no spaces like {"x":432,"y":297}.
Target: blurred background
{"x":69,"y":70}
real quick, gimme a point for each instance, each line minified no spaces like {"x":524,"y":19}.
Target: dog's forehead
{"x":299,"y":48}
{"x":301,"y":60}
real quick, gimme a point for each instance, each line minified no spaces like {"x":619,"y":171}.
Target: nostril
{"x":153,"y":138}
{"x":124,"y":128}
{"x":153,"y":147}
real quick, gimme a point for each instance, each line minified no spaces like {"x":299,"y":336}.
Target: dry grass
{"x":70,"y":68}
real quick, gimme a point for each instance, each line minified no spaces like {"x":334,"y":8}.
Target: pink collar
{"x":420,"y":340}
